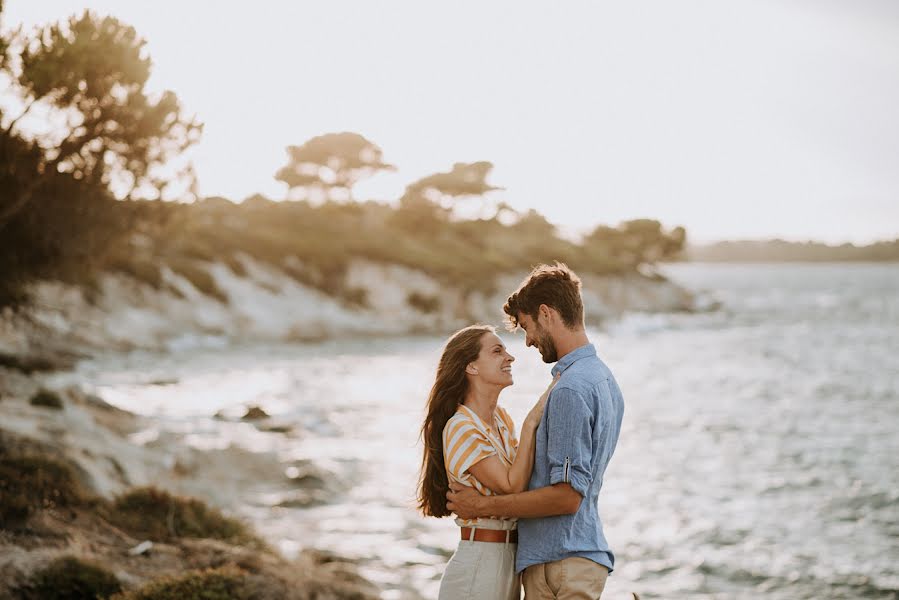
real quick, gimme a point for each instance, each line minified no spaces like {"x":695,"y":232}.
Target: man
{"x":562,"y":552}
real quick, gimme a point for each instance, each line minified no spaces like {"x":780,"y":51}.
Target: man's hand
{"x":466,"y":502}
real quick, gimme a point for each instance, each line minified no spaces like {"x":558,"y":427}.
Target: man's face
{"x":537,"y":336}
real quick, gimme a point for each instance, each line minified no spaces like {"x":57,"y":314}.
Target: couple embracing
{"x":526,"y":507}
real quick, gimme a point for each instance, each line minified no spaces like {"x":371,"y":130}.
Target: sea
{"x":758,"y":458}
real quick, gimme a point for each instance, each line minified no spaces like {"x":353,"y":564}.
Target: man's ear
{"x":547,"y":312}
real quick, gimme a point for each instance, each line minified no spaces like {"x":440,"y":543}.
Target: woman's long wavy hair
{"x":448,"y":392}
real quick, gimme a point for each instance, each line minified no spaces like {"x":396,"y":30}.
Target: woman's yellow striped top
{"x":467,"y":440}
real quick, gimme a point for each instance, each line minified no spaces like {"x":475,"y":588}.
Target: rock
{"x":143,"y":548}
{"x":79,"y":396}
{"x":254,"y":413}
{"x":26,"y":364}
{"x":336,"y":575}
{"x":276,"y":428}
{"x":46,"y":399}
{"x":301,"y":499}
{"x":100,"y":463}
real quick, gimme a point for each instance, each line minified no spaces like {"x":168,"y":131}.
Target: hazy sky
{"x":736,"y":119}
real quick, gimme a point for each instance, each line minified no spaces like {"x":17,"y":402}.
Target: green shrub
{"x":143,"y":269}
{"x":356,"y":296}
{"x":426,"y":304}
{"x":29,"y":483}
{"x":30,"y":364}
{"x":196,"y":248}
{"x":199,"y":277}
{"x":254,"y":413}
{"x":70,"y":578}
{"x":155,"y":514}
{"x":224,"y":583}
{"x":47,"y":399}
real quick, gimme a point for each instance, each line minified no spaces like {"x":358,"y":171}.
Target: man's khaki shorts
{"x":573,"y":578}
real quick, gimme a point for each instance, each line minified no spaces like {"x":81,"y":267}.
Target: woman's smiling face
{"x":494,"y":363}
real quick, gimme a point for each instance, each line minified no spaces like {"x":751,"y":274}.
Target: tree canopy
{"x":464,"y":179}
{"x":87,"y":75}
{"x":331,"y":162}
{"x":78,"y":129}
{"x":432,"y":199}
{"x":636,"y":242}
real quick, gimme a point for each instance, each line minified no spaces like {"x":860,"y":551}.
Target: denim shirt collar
{"x":572,"y":357}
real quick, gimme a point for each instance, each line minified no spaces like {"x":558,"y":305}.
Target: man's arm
{"x":569,"y":449}
{"x":558,"y":499}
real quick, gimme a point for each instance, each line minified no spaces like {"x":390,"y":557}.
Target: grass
{"x":155,"y":514}
{"x":248,"y":571}
{"x":223,"y":583}
{"x":30,"y":483}
{"x":70,"y":578}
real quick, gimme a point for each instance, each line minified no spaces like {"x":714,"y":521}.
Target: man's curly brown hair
{"x":554,"y":285}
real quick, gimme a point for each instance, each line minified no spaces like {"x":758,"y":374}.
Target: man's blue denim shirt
{"x":575,"y":441}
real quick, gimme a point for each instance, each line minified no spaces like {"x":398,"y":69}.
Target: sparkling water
{"x":759,"y":455}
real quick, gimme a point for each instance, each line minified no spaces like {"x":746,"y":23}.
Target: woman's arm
{"x":494,"y":474}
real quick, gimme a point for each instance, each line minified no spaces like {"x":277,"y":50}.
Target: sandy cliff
{"x":266,"y":304}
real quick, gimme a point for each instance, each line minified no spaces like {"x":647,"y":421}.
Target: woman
{"x":469,"y":439}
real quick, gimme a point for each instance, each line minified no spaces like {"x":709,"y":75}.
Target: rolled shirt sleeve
{"x":569,"y":424}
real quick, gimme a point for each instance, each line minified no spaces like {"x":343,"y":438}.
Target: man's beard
{"x":547,"y":347}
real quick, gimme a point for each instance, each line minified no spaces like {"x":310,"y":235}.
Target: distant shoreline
{"x":774,"y":261}
{"x":767,"y":251}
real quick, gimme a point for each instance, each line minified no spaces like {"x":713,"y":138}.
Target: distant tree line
{"x":88,"y":156}
{"x":783,"y":251}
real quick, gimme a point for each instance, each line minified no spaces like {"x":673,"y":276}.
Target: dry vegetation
{"x":76,"y":545}
{"x":316,"y":244}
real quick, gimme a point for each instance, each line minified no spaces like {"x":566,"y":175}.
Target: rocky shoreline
{"x":73,"y":463}
{"x":264,"y":304}
{"x":108,"y":453}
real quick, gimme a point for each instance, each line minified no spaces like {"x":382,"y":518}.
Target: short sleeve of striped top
{"x":464,"y":445}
